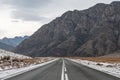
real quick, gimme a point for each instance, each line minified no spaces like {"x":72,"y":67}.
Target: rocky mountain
{"x":91,"y":32}
{"x":13,"y":41}
{"x":6,"y":47}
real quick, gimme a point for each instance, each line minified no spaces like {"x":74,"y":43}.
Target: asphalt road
{"x":64,"y":69}
{"x":51,"y":71}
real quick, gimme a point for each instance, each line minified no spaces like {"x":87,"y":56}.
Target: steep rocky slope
{"x":91,"y":32}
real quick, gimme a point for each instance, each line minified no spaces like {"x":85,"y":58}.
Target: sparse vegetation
{"x":99,"y":59}
{"x":8,"y":62}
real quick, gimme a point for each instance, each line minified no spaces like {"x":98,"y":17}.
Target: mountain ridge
{"x":13,"y":41}
{"x":91,"y":32}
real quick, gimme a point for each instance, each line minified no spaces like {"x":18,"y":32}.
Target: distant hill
{"x":113,"y":55}
{"x":13,"y":41}
{"x":91,"y":32}
{"x":5,"y":46}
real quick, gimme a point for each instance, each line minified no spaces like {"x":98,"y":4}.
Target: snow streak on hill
{"x":4,"y":53}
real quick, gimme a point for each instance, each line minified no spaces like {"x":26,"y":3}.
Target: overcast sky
{"x":24,"y":17}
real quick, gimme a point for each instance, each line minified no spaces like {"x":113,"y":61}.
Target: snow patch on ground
{"x":4,"y":74}
{"x":12,"y":64}
{"x":109,"y":68}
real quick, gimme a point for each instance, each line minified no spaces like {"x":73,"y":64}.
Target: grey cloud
{"x":26,"y":3}
{"x":27,"y":16}
{"x":27,"y":10}
{"x":16,"y":21}
{"x":35,"y":10}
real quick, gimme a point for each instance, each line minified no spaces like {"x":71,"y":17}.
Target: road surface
{"x":63,"y":69}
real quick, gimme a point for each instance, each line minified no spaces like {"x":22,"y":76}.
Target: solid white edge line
{"x":92,"y":67}
{"x":21,"y":72}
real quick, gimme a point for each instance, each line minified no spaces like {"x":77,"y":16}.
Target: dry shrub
{"x":99,"y":64}
{"x":109,"y":66}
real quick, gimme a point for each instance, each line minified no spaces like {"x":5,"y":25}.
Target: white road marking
{"x":64,"y":75}
{"x":65,"y":69}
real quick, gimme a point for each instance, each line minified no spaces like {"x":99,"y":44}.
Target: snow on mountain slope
{"x":4,"y":53}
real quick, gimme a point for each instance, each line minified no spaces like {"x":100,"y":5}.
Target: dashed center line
{"x":65,"y":69}
{"x":64,"y":75}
